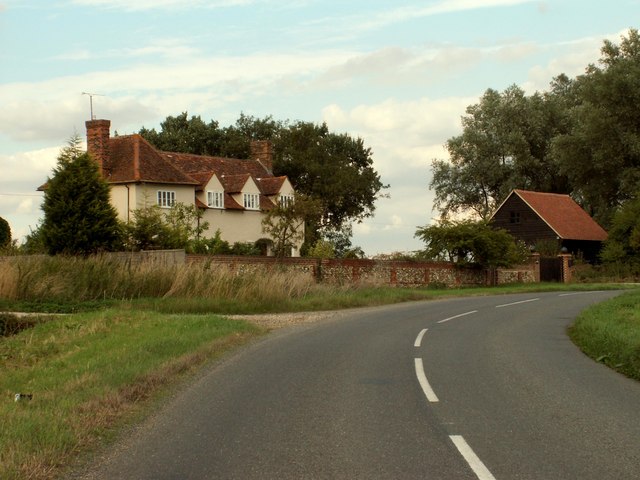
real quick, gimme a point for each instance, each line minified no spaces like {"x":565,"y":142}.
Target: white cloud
{"x":47,"y":109}
{"x":350,"y":26}
{"x":166,"y":47}
{"x":134,"y":5}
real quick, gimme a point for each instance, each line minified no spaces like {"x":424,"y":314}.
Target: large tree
{"x":505,"y":143}
{"x":78,"y":215}
{"x":601,"y":153}
{"x":335,"y":169}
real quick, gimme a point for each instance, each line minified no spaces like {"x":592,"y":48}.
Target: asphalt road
{"x":477,"y":388}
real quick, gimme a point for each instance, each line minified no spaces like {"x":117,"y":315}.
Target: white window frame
{"x":251,"y":201}
{"x":285,"y":200}
{"x":166,"y":198}
{"x":215,"y":199}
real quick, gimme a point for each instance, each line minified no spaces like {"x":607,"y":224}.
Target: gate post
{"x":566,"y":267}
{"x":535,"y":260}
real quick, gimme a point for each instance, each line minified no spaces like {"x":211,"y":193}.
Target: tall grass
{"x":73,"y":279}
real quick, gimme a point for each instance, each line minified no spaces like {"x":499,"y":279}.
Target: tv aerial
{"x":91,"y":95}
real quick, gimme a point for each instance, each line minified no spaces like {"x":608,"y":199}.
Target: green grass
{"x":90,"y":372}
{"x":610,"y":333}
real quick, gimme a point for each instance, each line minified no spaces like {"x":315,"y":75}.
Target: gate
{"x":551,"y":269}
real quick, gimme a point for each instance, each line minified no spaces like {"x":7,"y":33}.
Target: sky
{"x":397,"y":73}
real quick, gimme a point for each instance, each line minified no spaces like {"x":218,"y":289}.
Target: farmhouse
{"x":234,"y":194}
{"x":535,"y":216}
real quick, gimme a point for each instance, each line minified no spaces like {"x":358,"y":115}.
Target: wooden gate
{"x":551,"y":269}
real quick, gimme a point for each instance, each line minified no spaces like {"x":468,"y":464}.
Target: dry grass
{"x":60,"y":279}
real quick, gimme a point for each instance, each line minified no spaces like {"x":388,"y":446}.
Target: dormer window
{"x":285,"y":200}
{"x":251,"y":201}
{"x":166,"y":198}
{"x":215,"y":200}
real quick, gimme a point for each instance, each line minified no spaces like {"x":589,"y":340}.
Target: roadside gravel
{"x":280,"y":320}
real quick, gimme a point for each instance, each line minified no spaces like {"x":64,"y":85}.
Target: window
{"x":251,"y":201}
{"x":514,"y":217}
{"x":215,"y":200}
{"x":286,"y":200}
{"x":166,"y":199}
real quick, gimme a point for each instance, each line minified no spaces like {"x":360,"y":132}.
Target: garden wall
{"x":374,"y":272}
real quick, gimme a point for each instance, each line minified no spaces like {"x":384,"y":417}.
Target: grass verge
{"x":610,"y":333}
{"x":89,"y":374}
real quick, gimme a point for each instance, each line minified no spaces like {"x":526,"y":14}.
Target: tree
{"x":186,"y":135}
{"x":5,"y":233}
{"x":601,"y":152}
{"x":285,"y":223}
{"x":469,"y":242}
{"x":505,"y":144}
{"x":623,"y":242}
{"x":78,"y":215}
{"x":334,"y":169}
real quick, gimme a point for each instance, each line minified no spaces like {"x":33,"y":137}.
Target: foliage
{"x":472,"y":242}
{"x":322,"y":249}
{"x":213,"y":246}
{"x":5,"y":233}
{"x":505,"y":144}
{"x":285,"y":223}
{"x":153,"y":227}
{"x":78,"y":215}
{"x":623,"y":242}
{"x":33,"y":242}
{"x":335,"y":169}
{"x":245,"y":249}
{"x":547,"y":247}
{"x":186,"y":135}
{"x":601,"y":152}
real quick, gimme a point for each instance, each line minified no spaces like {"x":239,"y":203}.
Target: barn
{"x":536,"y":216}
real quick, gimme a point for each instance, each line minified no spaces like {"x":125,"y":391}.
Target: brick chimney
{"x":262,"y":151}
{"x":98,"y":141}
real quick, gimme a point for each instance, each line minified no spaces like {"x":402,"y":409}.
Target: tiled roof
{"x":234,"y":183}
{"x":231,"y":204}
{"x":190,"y":164}
{"x":563,"y":215}
{"x":270,"y":185}
{"x":133,"y":159}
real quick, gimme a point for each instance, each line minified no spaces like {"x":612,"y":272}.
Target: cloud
{"x":137,"y":5}
{"x":167,"y":48}
{"x":352,"y":25}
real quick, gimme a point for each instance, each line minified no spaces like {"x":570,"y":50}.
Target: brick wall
{"x":373,"y":272}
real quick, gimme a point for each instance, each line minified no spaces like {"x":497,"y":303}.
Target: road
{"x":474,"y":388}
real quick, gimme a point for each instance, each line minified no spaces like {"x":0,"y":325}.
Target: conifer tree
{"x":78,"y":216}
